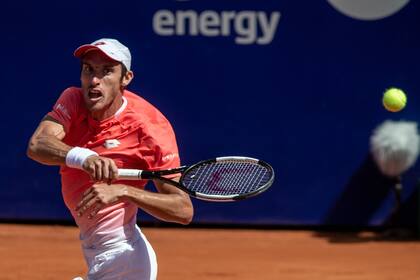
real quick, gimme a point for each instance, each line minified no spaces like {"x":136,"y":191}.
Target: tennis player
{"x":90,"y":133}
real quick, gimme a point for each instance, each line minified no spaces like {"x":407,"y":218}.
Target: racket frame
{"x":136,"y":174}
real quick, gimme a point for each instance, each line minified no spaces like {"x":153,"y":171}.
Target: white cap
{"x":110,"y":47}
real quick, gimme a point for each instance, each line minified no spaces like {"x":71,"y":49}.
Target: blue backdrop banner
{"x":296,"y":83}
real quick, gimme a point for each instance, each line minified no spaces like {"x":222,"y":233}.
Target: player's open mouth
{"x":94,"y":95}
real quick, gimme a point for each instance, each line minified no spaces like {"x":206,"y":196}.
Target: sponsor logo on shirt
{"x":60,"y":107}
{"x":111,"y":143}
{"x":169,"y":157}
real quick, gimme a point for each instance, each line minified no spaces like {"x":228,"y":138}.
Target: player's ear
{"x":129,"y":75}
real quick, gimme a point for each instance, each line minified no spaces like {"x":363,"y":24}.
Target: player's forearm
{"x":167,"y":207}
{"x":47,"y":150}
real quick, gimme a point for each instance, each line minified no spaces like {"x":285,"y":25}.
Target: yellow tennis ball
{"x":394,"y":99}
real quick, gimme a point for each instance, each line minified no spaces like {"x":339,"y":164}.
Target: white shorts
{"x":123,"y":254}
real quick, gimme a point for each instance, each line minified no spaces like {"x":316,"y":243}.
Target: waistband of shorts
{"x":129,"y":232}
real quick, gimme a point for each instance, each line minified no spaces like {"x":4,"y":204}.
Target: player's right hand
{"x":101,"y":169}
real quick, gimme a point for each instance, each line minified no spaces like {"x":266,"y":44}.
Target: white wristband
{"x":77,"y":156}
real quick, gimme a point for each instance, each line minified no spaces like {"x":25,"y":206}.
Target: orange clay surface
{"x":53,"y":252}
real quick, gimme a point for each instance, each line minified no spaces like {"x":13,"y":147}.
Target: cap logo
{"x":99,"y":43}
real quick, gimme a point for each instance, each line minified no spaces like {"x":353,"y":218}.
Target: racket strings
{"x":251,"y":183}
{"x":248,"y":180}
{"x":227,"y":177}
{"x":242,"y":184}
{"x":257,"y":175}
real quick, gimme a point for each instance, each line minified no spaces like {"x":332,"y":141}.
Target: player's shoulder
{"x":71,"y":100}
{"x":73,"y":90}
{"x":136,"y":100}
{"x":139,"y":105}
{"x":72,"y":93}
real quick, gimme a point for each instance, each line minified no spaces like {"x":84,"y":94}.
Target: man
{"x":91,"y":132}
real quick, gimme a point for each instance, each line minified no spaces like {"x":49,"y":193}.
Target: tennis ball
{"x":394,"y":99}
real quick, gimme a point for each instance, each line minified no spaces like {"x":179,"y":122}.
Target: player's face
{"x":101,"y":84}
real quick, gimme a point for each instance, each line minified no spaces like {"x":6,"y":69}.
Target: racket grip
{"x":129,"y":174}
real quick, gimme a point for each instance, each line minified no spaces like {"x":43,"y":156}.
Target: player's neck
{"x":110,"y":111}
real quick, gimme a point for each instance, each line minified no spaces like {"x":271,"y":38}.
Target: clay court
{"x":52,"y":252}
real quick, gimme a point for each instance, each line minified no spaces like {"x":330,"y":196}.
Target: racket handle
{"x":129,"y":174}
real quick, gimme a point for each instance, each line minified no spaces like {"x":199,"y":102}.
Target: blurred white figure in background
{"x":395,"y":146}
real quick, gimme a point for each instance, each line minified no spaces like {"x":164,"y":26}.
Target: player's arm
{"x":46,"y":146}
{"x":169,"y":204}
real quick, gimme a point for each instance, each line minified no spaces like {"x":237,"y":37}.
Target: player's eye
{"x":86,"y":69}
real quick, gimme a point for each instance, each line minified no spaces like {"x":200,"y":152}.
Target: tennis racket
{"x":219,"y":179}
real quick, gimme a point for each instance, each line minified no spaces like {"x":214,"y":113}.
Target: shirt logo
{"x":169,"y":157}
{"x":60,"y":107}
{"x":111,"y":143}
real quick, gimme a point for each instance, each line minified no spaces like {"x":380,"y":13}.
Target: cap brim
{"x":80,"y":51}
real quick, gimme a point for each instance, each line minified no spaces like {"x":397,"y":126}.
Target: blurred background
{"x":298,"y":84}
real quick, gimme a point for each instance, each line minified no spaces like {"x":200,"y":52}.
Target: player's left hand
{"x":97,"y":196}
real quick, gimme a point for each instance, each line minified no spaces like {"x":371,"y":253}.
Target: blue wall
{"x":305,"y":100}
